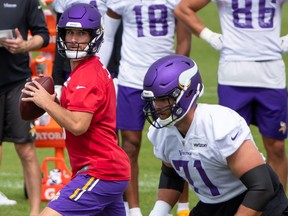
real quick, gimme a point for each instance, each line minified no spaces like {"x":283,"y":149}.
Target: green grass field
{"x":11,"y":176}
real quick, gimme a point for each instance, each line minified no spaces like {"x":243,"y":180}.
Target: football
{"x":29,"y":110}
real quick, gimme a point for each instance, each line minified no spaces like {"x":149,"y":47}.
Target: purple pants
{"x":86,"y":195}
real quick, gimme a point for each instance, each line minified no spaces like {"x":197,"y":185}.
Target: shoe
{"x":183,"y":213}
{"x":5,"y":201}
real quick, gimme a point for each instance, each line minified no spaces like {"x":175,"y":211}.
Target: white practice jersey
{"x":61,"y":5}
{"x":251,"y":29}
{"x":148,"y":34}
{"x":215,"y":133}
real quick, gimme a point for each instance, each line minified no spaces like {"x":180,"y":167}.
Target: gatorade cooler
{"x":53,"y":180}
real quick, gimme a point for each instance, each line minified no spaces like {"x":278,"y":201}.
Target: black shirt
{"x":25,"y":15}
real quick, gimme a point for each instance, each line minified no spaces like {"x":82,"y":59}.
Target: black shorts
{"x":12,"y":127}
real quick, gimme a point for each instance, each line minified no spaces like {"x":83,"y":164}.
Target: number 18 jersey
{"x":148,"y":34}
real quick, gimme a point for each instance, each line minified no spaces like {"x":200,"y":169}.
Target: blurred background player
{"x":148,"y":33}
{"x":210,"y":146}
{"x":251,"y":73}
{"x":21,"y":16}
{"x":100,"y":168}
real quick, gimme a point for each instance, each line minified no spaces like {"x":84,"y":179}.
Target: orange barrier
{"x":52,"y":136}
{"x":51,"y":25}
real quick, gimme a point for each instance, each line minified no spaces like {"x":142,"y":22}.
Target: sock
{"x":135,"y":212}
{"x":126,"y":208}
{"x":183,"y":206}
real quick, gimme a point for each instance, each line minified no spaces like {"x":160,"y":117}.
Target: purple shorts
{"x":263,"y":107}
{"x":130,"y":115}
{"x":86,"y":195}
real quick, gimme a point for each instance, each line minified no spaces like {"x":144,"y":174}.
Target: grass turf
{"x":11,"y":176}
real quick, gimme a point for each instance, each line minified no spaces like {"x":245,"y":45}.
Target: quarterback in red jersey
{"x":100,"y":168}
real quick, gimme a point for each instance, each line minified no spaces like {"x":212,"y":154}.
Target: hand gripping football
{"x":29,"y":110}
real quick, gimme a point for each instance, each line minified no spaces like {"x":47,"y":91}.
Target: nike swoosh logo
{"x":233,"y":138}
{"x":80,"y":87}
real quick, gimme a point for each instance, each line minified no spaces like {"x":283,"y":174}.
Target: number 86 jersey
{"x":251,"y":29}
{"x":200,"y":157}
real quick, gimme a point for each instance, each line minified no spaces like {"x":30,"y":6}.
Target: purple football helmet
{"x":173,"y":76}
{"x":80,"y":16}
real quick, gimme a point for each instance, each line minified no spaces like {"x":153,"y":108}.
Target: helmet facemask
{"x":153,"y":115}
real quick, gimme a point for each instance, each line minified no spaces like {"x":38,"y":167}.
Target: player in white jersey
{"x":148,"y":34}
{"x":251,"y":68}
{"x":210,"y":146}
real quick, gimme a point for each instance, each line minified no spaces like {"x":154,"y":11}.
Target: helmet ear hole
{"x":176,"y":93}
{"x":179,"y":111}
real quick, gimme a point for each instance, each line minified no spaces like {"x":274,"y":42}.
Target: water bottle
{"x":41,"y":65}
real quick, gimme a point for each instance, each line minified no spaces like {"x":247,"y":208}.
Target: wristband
{"x":212,"y":38}
{"x":206,"y":34}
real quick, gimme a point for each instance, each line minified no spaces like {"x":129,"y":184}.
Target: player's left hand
{"x":284,"y":44}
{"x":39,"y":95}
{"x":15,"y":45}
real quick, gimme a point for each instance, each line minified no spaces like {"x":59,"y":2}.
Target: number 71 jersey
{"x":200,"y":157}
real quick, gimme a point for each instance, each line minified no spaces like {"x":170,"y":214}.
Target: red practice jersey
{"x":90,"y":88}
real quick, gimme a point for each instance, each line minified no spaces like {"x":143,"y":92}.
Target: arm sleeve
{"x":259,"y":188}
{"x":110,"y":27}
